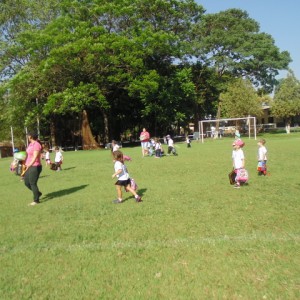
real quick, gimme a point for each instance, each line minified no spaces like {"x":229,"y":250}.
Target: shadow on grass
{"x":67,"y":169}
{"x":43,"y":176}
{"x":64,"y":192}
{"x":131,"y":197}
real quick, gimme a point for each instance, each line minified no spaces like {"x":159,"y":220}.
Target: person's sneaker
{"x":33,"y":203}
{"x":117,"y":201}
{"x":236,"y":186}
{"x":138,"y":199}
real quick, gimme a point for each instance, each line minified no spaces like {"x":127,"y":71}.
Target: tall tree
{"x":232,"y":44}
{"x":240,"y":100}
{"x":17,"y":17}
{"x":286,"y":102}
{"x":112,"y":47}
{"x":127,"y":62}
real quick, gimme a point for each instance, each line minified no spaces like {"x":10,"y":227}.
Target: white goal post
{"x":248,"y":119}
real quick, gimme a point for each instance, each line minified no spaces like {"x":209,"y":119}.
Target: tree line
{"x":88,"y":71}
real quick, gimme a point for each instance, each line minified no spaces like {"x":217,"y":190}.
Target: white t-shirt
{"x":158,"y":146}
{"x":170,"y":143}
{"x":47,"y":155}
{"x":58,"y":157}
{"x":238,"y":158}
{"x":262,"y":153}
{"x":116,"y":147}
{"x":124,"y":174}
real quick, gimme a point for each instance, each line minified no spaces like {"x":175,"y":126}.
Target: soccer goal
{"x":250,"y":122}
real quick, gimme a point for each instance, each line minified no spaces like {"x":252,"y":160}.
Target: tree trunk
{"x":106,"y":130}
{"x":197,"y":118}
{"x":288,"y":127}
{"x":52,"y":132}
{"x":88,"y":140}
{"x":218,"y":118}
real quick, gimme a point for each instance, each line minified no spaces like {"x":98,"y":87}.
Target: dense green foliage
{"x":287,"y":99}
{"x":240,"y":100}
{"x":193,"y":237}
{"x":127,"y":64}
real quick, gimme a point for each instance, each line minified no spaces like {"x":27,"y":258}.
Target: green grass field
{"x":193,"y":237}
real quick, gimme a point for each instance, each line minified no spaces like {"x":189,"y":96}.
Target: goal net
{"x":208,"y":128}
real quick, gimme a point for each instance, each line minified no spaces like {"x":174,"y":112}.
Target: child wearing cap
{"x":238,"y":160}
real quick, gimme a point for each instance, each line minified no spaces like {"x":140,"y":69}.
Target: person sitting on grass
{"x":158,"y":148}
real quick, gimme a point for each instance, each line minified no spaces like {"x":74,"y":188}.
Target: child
{"x":238,"y":160}
{"x":123,"y":178}
{"x":171,"y":147}
{"x":237,"y":134}
{"x":58,"y":159}
{"x":157,"y":148}
{"x":188,"y":141}
{"x":47,"y":157}
{"x":115,"y":146}
{"x":262,"y":158}
{"x":151,"y":147}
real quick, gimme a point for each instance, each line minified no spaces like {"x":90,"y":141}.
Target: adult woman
{"x":33,"y":166}
{"x":144,"y":138}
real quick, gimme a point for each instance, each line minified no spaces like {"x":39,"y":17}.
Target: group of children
{"x":238,"y":159}
{"x":121,"y":172}
{"x":58,"y":159}
{"x":18,"y":163}
{"x":155,"y":147}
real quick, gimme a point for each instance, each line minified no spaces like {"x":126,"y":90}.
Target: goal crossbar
{"x":226,"y":120}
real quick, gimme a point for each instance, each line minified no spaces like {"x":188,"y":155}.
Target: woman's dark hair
{"x":33,"y":135}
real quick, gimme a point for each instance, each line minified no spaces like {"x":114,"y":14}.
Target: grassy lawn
{"x":193,"y":237}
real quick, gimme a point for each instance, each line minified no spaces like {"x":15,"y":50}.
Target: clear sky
{"x":279,"y":18}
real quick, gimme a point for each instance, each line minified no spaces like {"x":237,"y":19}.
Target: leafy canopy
{"x":286,"y":102}
{"x":240,"y":100}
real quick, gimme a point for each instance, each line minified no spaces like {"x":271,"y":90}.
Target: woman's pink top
{"x":34,"y":146}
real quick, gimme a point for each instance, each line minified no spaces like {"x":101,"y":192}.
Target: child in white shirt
{"x":58,"y":158}
{"x":262,"y":157}
{"x":123,"y":178}
{"x":188,"y":141}
{"x":171,"y":148}
{"x":158,"y":148}
{"x":238,"y":159}
{"x":115,"y":146}
{"x":47,"y":157}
